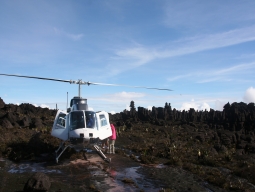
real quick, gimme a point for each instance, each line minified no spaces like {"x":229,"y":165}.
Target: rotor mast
{"x":80,"y":82}
{"x":79,"y":91}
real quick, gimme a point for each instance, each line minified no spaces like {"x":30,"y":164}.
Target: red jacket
{"x":113,"y":137}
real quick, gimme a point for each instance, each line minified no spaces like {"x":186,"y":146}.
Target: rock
{"x":37,"y":123}
{"x":240,"y":152}
{"x":200,"y":137}
{"x":5,"y":123}
{"x":2,"y":104}
{"x":13,"y":118}
{"x":25,"y":122}
{"x":213,"y":151}
{"x":38,"y":182}
{"x":250,"y":148}
{"x":241,"y":145}
{"x":223,"y":148}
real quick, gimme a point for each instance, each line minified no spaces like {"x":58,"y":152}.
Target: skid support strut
{"x":61,"y":148}
{"x":101,"y":154}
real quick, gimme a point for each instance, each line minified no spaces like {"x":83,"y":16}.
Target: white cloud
{"x":115,"y":102}
{"x":187,"y":106}
{"x":127,"y":107}
{"x":249,"y":95}
{"x":141,"y":55}
{"x":211,"y":41}
{"x":44,"y":106}
{"x":195,"y":105}
{"x":149,"y":108}
{"x":112,"y":112}
{"x":132,"y":57}
{"x":236,"y":68}
{"x":213,"y":75}
{"x":204,"y":106}
{"x":123,"y":96}
{"x":180,"y":77}
{"x":219,"y":105}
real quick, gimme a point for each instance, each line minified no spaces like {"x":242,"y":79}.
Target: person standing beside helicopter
{"x":112,"y":140}
{"x":105,"y":144}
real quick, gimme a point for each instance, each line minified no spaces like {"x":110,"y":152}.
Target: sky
{"x":204,"y":51}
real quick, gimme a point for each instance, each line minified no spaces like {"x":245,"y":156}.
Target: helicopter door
{"x":91,"y":130}
{"x":59,"y":129}
{"x":104,"y":127}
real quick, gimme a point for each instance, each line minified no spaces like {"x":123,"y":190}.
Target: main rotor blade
{"x":106,"y":84}
{"x":68,"y":81}
{"x":84,"y":82}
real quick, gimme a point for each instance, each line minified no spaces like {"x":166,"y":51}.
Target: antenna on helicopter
{"x":66,"y":101}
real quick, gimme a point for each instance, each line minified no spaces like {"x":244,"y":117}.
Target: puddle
{"x":126,"y":175}
{"x":140,"y":181}
{"x":124,"y":180}
{"x":205,"y":184}
{"x":31,"y":167}
{"x":160,"y":166}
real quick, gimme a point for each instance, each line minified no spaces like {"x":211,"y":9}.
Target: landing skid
{"x":62,"y":148}
{"x":101,"y":154}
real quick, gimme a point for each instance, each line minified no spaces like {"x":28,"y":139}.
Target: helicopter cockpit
{"x":78,"y":120}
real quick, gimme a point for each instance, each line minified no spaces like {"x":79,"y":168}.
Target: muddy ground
{"x":142,"y":163}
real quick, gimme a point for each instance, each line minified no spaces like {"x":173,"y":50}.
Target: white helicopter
{"x":79,"y":127}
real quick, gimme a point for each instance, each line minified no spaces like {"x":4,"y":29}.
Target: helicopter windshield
{"x":90,"y":119}
{"x":77,"y":120}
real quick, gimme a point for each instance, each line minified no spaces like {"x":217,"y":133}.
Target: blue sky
{"x":203,"y":50}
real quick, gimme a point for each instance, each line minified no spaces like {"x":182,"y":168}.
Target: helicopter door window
{"x":77,"y":120}
{"x":103,"y":120}
{"x":90,"y":119}
{"x":61,"y":121}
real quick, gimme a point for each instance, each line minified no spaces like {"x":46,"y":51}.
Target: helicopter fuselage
{"x":80,"y":125}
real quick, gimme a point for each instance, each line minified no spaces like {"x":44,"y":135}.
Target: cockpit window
{"x":90,"y":119}
{"x":77,"y":120}
{"x":103,"y":120}
{"x":61,"y":120}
